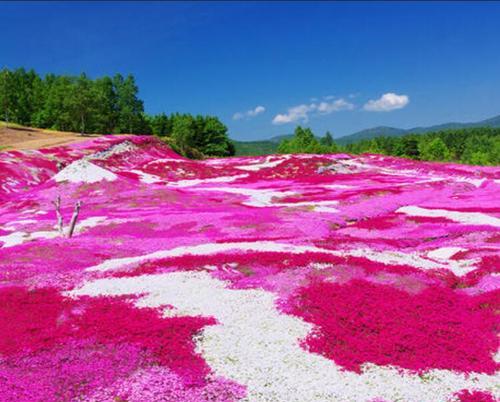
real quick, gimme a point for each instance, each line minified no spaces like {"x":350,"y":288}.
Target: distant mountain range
{"x":397,"y":132}
{"x":270,"y":146}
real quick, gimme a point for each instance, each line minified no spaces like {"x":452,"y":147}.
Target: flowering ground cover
{"x":276,"y":278}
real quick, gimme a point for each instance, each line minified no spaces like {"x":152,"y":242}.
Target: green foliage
{"x":212,"y":139}
{"x":106,"y":114}
{"x":304,"y":142}
{"x":161,"y":125}
{"x":327,"y":140}
{"x":17,"y":94}
{"x":407,"y":147}
{"x":434,"y":150}
{"x":130,"y":108}
{"x":80,"y":103}
{"x":183,"y":132}
{"x":206,"y":134}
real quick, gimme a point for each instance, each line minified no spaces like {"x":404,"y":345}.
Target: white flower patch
{"x":387,"y":257}
{"x":337,"y":186}
{"x":268,"y":163}
{"x":257,"y":346}
{"x":444,"y":253}
{"x":264,"y":198}
{"x":196,"y":182}
{"x":20,"y":237}
{"x":13,"y":239}
{"x":459,"y":267}
{"x":83,"y":171}
{"x":469,"y":218}
{"x":146,"y":177}
{"x":124,"y":146}
{"x":474,"y":182}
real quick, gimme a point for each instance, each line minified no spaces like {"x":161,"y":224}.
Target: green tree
{"x":161,"y":125}
{"x":183,"y":133}
{"x":434,"y":150}
{"x":407,"y":146}
{"x":55,"y":113}
{"x":130,"y":108}
{"x":284,"y":146}
{"x":80,"y":104}
{"x":7,"y":91}
{"x":215,"y":139}
{"x":106,"y":114}
{"x":479,"y":158}
{"x":327,"y":140}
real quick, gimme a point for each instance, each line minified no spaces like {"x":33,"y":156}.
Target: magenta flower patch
{"x":273,"y":278}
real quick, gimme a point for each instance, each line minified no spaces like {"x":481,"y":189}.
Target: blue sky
{"x":265,"y":67}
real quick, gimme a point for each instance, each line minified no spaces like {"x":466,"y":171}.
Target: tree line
{"x":474,"y":146}
{"x":106,"y":105}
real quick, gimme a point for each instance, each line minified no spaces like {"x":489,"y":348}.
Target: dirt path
{"x":23,"y":138}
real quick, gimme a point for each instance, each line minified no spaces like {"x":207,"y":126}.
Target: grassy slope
{"x":251,"y":148}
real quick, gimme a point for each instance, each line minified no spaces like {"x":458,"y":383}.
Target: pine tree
{"x":6,"y":95}
{"x":80,"y":104}
{"x":215,"y":139}
{"x":327,"y":140}
{"x":130,"y":108}
{"x":161,"y":125}
{"x":106,"y":114}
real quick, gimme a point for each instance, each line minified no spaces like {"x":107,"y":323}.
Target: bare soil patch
{"x":23,"y":138}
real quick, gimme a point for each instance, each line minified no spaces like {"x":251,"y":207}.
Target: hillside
{"x":253,"y":148}
{"x":370,"y":133}
{"x":263,"y":147}
{"x":279,"y":278}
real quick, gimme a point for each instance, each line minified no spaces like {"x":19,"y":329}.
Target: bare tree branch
{"x":57,"y":204}
{"x":74,"y":218}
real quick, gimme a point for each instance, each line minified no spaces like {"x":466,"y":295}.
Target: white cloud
{"x":301,"y":112}
{"x":387,"y":102}
{"x":335,"y":106}
{"x":249,"y":113}
{"x":296,"y":113}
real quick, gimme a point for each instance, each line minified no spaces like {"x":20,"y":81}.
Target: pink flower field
{"x":274,"y":278}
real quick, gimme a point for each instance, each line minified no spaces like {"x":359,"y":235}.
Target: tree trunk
{"x":74,"y":218}
{"x":57,"y":204}
{"x":82,"y":126}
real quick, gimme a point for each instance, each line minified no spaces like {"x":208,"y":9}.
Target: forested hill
{"x":105,"y":105}
{"x":397,"y":132}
